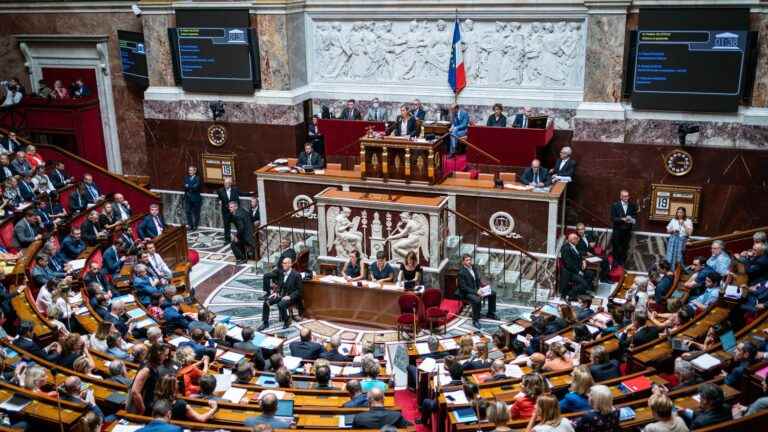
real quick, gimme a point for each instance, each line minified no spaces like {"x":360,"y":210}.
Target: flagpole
{"x":455,"y":94}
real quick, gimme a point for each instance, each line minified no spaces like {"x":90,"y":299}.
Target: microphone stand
{"x":55,"y":372}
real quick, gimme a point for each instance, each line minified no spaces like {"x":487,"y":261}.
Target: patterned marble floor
{"x":234,"y":290}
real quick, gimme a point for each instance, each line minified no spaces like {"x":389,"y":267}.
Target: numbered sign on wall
{"x":666,"y":199}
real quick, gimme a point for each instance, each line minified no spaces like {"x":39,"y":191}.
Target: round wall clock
{"x":217,"y":135}
{"x":678,"y":162}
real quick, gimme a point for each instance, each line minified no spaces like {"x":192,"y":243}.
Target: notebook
{"x":705,"y":361}
{"x":464,"y":415}
{"x":728,"y":341}
{"x":267,"y":381}
{"x":626,"y":413}
{"x":637,"y":384}
{"x":284,"y":408}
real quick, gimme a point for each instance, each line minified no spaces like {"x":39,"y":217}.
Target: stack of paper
{"x":422,"y":348}
{"x":224,"y":380}
{"x":231,"y":357}
{"x":234,"y":394}
{"x":145,"y":323}
{"x":512,"y":328}
{"x":732,"y":292}
{"x":513,"y":371}
{"x":135,"y":313}
{"x":428,"y":365}
{"x":292,"y":363}
{"x":270,"y":342}
{"x":336,"y":370}
{"x":484,"y":291}
{"x":77,"y":264}
{"x":456,"y":397}
{"x":449,"y":344}
{"x":178,"y":340}
{"x":235,"y":332}
{"x":705,"y":361}
{"x":351,"y":370}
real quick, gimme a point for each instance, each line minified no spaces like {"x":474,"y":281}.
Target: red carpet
{"x":409,"y":406}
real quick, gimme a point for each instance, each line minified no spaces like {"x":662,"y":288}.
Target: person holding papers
{"x":470,"y":290}
{"x":353,"y":270}
{"x":380,"y":271}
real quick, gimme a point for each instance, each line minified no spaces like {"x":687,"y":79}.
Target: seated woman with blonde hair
{"x":547,"y":417}
{"x":576,"y":399}
{"x":558,"y":358}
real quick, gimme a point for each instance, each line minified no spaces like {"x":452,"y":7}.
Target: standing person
{"x":351,"y":112}
{"x":376,"y":112}
{"x":226,"y":194}
{"x":193,"y":201}
{"x":497,"y":119}
{"x":243,"y":240}
{"x":141,"y":395}
{"x":418,"y":110}
{"x":459,"y":126}
{"x":679,"y":228}
{"x":624,"y":217}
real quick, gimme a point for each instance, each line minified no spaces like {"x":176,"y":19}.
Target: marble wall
{"x":127,"y":96}
{"x":158,"y":48}
{"x":604,"y":57}
{"x":235,"y":112}
{"x":210,"y":213}
{"x":281,"y":48}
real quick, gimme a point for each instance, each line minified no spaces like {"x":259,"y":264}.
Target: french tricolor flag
{"x":457,"y":75}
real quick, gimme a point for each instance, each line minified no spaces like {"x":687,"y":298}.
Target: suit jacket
{"x":71,"y":248}
{"x":617,"y":212}
{"x":174,"y":319}
{"x":244,"y":226}
{"x":583,"y":246}
{"x":98,"y":278}
{"x":234,"y":195}
{"x":77,"y":202}
{"x":567,"y":170}
{"x":58,"y":178}
{"x":288,"y":253}
{"x":419,"y":114}
{"x":312,"y":160}
{"x":335,"y":356}
{"x":41,"y":275}
{"x":493,"y":122}
{"x":410,"y":127}
{"x":159,"y":426}
{"x":292,"y":286}
{"x":33,"y":348}
{"x":527,"y":177}
{"x":644,"y":335}
{"x":6,"y":175}
{"x":377,"y":417}
{"x":144,"y":289}
{"x":147,"y":228}
{"x":305,"y":350}
{"x":460,"y":122}
{"x":313,"y":130}
{"x":27,"y":191}
{"x":376,"y":114}
{"x":120,"y":209}
{"x":519,"y":120}
{"x":467,"y":284}
{"x":192,"y":187}
{"x":347,"y":114}
{"x":571,"y":258}
{"x":24,"y":233}
{"x":89,"y":231}
{"x":10,"y":146}
{"x":92,"y":193}
{"x":710,"y":417}
{"x":21,"y":166}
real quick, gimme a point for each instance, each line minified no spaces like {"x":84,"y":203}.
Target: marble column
{"x":156,"y":22}
{"x":282,"y":50}
{"x":605,"y":54}
{"x":759,"y":23}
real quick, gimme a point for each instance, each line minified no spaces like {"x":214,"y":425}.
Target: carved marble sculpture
{"x":497,"y":54}
{"x":343,"y":233}
{"x":411,"y":234}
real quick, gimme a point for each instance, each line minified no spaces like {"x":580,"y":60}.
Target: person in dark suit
{"x":78,"y":200}
{"x":377,"y":416}
{"x":267,"y":416}
{"x":305,"y":348}
{"x":114,"y":257}
{"x":405,"y":125}
{"x":712,"y":408}
{"x":152,"y":225}
{"x":248,"y":346}
{"x":161,"y":413}
{"x":242,"y":240}
{"x":418,"y":111}
{"x":255,"y":214}
{"x":624,"y":217}
{"x":587,"y":240}
{"x":26,"y":342}
{"x":603,"y":367}
{"x":122,"y":207}
{"x":26,"y":230}
{"x":357,"y":399}
{"x":92,"y":229}
{"x":313,"y":130}
{"x":350,"y":112}
{"x":6,"y":170}
{"x":332,"y":353}
{"x":469,"y":285}
{"x":498,"y":371}
{"x":572,"y":269}
{"x":96,"y":275}
{"x":59,"y":177}
{"x":10,"y":144}
{"x":287,"y":294}
{"x":27,"y":188}
{"x":535,"y":175}
{"x":497,"y":119}
{"x":41,"y":274}
{"x":193,"y":201}
{"x":640,"y":333}
{"x":71,"y":247}
{"x":286,"y":251}
{"x":309,"y":159}
{"x":173,"y":318}
{"x":20,"y":164}
{"x":315,"y":136}
{"x":565,"y":166}
{"x":226,"y":194}
{"x":79,"y":89}
{"x":91,"y":190}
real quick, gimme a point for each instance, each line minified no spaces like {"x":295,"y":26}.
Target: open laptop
{"x":285,"y":409}
{"x":728,"y":341}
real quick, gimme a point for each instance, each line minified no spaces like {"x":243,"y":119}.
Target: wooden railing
{"x":736,"y":241}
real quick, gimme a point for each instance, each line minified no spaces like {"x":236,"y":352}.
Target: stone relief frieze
{"x":497,"y":54}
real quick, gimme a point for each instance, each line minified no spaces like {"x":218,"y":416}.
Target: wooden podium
{"x":402,"y":159}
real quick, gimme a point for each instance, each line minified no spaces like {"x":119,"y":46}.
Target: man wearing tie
{"x":10,"y":144}
{"x":418,"y":111}
{"x":20,"y":164}
{"x":78,"y":200}
{"x":26,"y":230}
{"x":243,"y":240}
{"x":6,"y":170}
{"x":113,"y":260}
{"x":122,"y":207}
{"x":58,"y":177}
{"x":226,"y":194}
{"x":152,"y":225}
{"x":565,"y":166}
{"x":310,"y":159}
{"x":469,"y":286}
{"x":157,"y":263}
{"x":287,"y":294}
{"x":376,"y":112}
{"x":459,"y":126}
{"x":572,"y":269}
{"x":27,"y":188}
{"x":405,"y":125}
{"x":192,"y":199}
{"x":255,"y":215}
{"x":91,"y":191}
{"x":271,"y":277}
{"x":535,"y":175}
{"x":624,"y":216}
{"x":350,"y":112}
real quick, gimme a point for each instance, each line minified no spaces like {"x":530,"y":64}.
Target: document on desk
{"x":231,"y":357}
{"x":292,"y":363}
{"x":456,"y":398}
{"x":128,"y":427}
{"x":428,"y":365}
{"x":513,"y":371}
{"x":705,"y":361}
{"x":422,"y":348}
{"x":449,"y":344}
{"x":234,"y":394}
{"x":512,"y":328}
{"x":15,"y":403}
{"x":178,"y":340}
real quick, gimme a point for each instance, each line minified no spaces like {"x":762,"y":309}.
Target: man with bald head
{"x":268,"y":411}
{"x":71,"y":391}
{"x":572,"y":282}
{"x":305,"y":348}
{"x":377,"y":416}
{"x":333,"y":353}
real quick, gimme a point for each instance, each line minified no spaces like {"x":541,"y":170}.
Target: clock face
{"x":217,"y":135}
{"x":679,"y":163}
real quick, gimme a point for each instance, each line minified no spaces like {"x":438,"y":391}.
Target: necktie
{"x":536,"y":176}
{"x":7,"y":171}
{"x":158,"y":226}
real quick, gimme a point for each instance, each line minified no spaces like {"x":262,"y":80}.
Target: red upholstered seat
{"x":433,"y":313}
{"x":6,"y":235}
{"x":410,"y":308}
{"x":193,"y":257}
{"x":405,"y":319}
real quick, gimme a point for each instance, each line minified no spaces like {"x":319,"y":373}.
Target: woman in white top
{"x":60,"y":298}
{"x":679,"y":229}
{"x":547,"y":416}
{"x":44,"y":299}
{"x":98,"y":340}
{"x":666,"y":420}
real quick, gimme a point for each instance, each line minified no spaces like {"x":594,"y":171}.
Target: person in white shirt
{"x":547,"y":417}
{"x":679,"y":229}
{"x":157,"y":262}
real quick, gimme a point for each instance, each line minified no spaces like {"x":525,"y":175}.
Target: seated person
{"x":755,"y":263}
{"x":564,"y":166}
{"x":283,"y":378}
{"x":323,"y":378}
{"x":757,"y":297}
{"x":207,"y":388}
{"x":479,"y":359}
{"x":557,"y":358}
{"x":577,"y":400}
{"x":712,"y":408}
{"x":146,"y":287}
{"x":760,"y":404}
{"x":719,"y":262}
{"x":585,"y":308}
{"x":310,"y":159}
{"x":332,"y":353}
{"x":287,"y":293}
{"x":92,"y":193}
{"x":353,"y":269}
{"x":26,"y":230}
{"x":267,"y":416}
{"x":371,"y":370}
{"x":305,"y":348}
{"x":498,"y":371}
{"x":248,"y":346}
{"x":667,"y":420}
{"x":357,"y":399}
{"x":535,"y":175}
{"x":380,"y":271}
{"x":663,"y":282}
{"x":639,"y":332}
{"x":410,"y":271}
{"x":92,"y":229}
{"x":152,"y":225}
{"x":603,"y":367}
{"x":694,"y":288}
{"x":71,"y":247}
{"x":743,"y":357}
{"x":377,"y":416}
{"x":497,"y":119}
{"x":533,"y":386}
{"x":710,"y":295}
{"x":469,"y":290}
